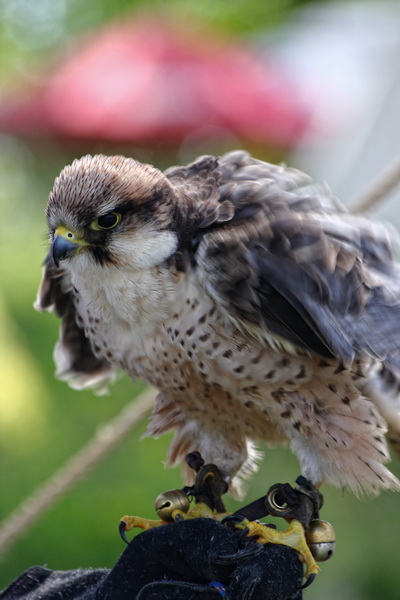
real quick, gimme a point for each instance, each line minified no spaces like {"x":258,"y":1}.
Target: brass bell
{"x":321,"y":539}
{"x":169,"y":501}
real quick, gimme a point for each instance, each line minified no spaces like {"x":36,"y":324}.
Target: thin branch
{"x":378,"y":188}
{"x":107,"y":437}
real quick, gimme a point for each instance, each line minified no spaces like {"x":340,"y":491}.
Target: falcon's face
{"x":111,"y":211}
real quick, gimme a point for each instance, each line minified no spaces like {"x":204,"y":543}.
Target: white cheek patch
{"x":144,"y":249}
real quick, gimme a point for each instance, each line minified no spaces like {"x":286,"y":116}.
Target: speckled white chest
{"x":165,"y":329}
{"x":122,"y":314}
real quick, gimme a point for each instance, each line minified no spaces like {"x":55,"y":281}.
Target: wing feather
{"x":73,"y":354}
{"x":301,"y":267}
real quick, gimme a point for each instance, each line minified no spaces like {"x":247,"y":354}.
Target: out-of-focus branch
{"x":377,"y":189}
{"x":107,"y":437}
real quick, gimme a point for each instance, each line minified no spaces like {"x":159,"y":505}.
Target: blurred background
{"x":316,"y":84}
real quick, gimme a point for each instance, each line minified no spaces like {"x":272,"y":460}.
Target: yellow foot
{"x":127,"y":523}
{"x":293,"y":537}
{"x":199,"y":511}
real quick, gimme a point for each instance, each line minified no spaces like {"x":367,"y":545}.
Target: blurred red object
{"x":144,"y":81}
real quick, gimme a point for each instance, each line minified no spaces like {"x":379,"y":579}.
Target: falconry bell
{"x":321,"y":540}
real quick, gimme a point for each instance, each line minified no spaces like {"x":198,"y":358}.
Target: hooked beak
{"x":65,"y":244}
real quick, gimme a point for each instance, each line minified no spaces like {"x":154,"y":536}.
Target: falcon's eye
{"x":107,"y":221}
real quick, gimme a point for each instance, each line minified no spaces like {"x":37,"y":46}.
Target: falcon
{"x":257,"y":305}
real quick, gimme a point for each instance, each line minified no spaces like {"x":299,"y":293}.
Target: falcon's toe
{"x":293,"y":536}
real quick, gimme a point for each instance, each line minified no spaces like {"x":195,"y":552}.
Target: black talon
{"x":309,"y":581}
{"x":244,"y":533}
{"x":122,"y":533}
{"x":232,"y":520}
{"x":179,"y":517}
{"x":244,"y":536}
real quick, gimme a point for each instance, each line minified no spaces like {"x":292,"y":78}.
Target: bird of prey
{"x":257,"y":305}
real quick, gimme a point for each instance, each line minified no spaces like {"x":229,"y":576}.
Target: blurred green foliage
{"x":43,"y":422}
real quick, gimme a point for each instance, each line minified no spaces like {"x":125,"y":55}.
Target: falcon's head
{"x":113,"y":211}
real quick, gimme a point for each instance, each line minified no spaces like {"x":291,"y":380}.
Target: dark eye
{"x":107,"y":221}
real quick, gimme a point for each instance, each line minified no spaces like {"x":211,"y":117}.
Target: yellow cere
{"x":69,"y":235}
